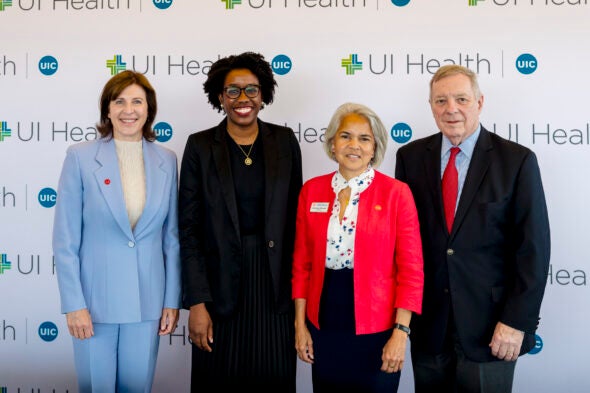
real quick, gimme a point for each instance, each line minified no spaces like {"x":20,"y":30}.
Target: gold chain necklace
{"x":248,"y":160}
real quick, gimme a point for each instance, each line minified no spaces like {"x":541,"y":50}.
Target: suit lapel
{"x":478,"y":166}
{"x":109,"y":182}
{"x":271,"y":154}
{"x":432,"y":170}
{"x":155,"y":185}
{"x":220,"y":153}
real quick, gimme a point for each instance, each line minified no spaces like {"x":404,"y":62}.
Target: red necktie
{"x":450,"y":188}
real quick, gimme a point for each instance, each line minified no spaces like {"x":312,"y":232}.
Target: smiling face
{"x":242,"y":111}
{"x":455,"y":107}
{"x":128,"y":113}
{"x":353,"y":145}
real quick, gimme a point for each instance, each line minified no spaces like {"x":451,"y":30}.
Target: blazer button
{"x":450,"y":251}
{"x":271,"y":244}
{"x":131,"y":244}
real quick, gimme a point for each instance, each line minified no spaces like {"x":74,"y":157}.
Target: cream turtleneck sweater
{"x":132,"y":170}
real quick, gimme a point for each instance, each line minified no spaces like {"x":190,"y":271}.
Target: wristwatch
{"x":403,"y":328}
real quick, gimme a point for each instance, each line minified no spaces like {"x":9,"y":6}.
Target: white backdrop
{"x":48,"y":103}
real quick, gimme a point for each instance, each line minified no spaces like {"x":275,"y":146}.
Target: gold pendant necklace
{"x":248,"y":160}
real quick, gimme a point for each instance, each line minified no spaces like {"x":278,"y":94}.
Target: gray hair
{"x":454,"y":69}
{"x":379,"y":131}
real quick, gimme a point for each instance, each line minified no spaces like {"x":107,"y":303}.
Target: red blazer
{"x":387,"y":251}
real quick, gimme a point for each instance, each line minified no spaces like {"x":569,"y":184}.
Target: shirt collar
{"x":466,"y":146}
{"x":358,"y":183}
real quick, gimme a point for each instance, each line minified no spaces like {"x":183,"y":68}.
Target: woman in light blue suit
{"x":115,"y":241}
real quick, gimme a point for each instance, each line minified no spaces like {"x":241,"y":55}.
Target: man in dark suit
{"x":486,"y":258}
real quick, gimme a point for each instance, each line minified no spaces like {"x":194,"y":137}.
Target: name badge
{"x":319,"y":207}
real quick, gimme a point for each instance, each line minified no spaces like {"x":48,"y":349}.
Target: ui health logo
{"x":230,"y":4}
{"x":4,"y":4}
{"x":179,"y":64}
{"x":80,"y":5}
{"x":5,"y":264}
{"x":351,"y":64}
{"x":529,"y":3}
{"x":4,"y":130}
{"x":116,"y":65}
{"x":310,"y":4}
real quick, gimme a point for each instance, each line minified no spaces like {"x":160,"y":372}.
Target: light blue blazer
{"x":120,"y":275}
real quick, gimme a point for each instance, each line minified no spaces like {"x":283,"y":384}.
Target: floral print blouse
{"x":340,"y":246}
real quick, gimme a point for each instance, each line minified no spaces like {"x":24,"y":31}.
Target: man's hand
{"x":506,"y":342}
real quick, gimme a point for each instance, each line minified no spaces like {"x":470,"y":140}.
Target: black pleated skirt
{"x":255,"y":349}
{"x":345,"y":362}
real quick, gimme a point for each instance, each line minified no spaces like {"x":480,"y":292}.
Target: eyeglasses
{"x":234,"y":92}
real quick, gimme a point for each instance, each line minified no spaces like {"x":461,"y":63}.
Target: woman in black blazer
{"x":239,"y":184}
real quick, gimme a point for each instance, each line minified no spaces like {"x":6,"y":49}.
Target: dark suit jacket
{"x":493,"y":266}
{"x":210,"y":241}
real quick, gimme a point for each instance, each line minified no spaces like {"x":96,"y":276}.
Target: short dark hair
{"x":113,"y":89}
{"x":254,"y":62}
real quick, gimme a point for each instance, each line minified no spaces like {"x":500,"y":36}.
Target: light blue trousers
{"x":119,"y":358}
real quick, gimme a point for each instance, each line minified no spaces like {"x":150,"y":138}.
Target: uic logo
{"x":281,"y":64}
{"x":401,"y":132}
{"x":48,"y":331}
{"x":162,"y":4}
{"x":47,"y":197}
{"x":48,"y":65}
{"x":163,"y":131}
{"x":538,"y":345}
{"x":526,"y":63}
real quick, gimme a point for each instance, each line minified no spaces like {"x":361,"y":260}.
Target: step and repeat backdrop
{"x":532,"y":58}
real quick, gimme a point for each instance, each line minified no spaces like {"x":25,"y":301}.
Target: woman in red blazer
{"x":357,"y":268}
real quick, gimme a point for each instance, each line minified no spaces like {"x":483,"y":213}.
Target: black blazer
{"x":493,"y":266}
{"x":210,"y":241}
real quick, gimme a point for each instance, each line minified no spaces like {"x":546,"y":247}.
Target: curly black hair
{"x":254,"y":62}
